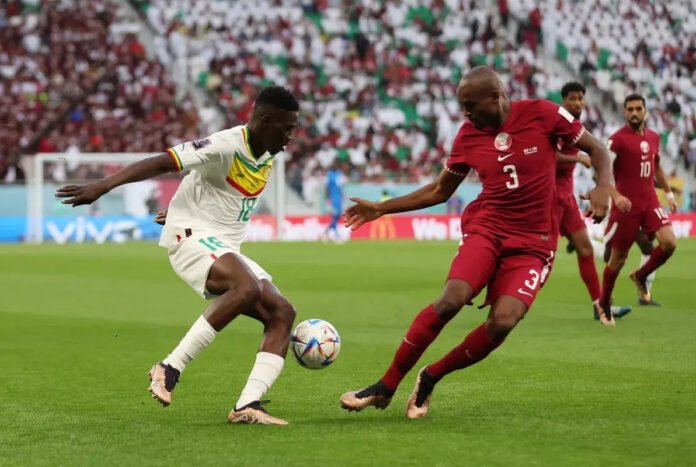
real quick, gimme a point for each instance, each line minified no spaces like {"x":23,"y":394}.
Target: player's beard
{"x":636,"y":124}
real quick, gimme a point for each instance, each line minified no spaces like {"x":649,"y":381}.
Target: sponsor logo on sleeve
{"x":200,"y":143}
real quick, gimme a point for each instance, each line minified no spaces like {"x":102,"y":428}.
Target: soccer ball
{"x":315,"y":344}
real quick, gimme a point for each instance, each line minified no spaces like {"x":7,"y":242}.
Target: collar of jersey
{"x":260,"y":161}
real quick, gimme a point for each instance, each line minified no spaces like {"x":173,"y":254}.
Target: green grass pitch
{"x":81,"y":325}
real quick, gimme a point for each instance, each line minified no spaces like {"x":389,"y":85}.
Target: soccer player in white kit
{"x":204,"y":229}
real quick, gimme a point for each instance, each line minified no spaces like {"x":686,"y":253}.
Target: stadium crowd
{"x":630,"y":46}
{"x":375,"y":78}
{"x":74,"y":78}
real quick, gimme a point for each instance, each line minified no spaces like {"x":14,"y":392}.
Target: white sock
{"x":597,"y":248}
{"x":651,"y":277}
{"x":196,"y":339}
{"x":266,"y":370}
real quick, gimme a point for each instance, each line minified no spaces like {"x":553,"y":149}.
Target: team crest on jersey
{"x":644,"y":146}
{"x":503,"y":142}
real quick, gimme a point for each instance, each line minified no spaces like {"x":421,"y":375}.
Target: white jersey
{"x":221,"y":190}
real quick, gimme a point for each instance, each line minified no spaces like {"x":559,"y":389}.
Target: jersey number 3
{"x":514,"y":182}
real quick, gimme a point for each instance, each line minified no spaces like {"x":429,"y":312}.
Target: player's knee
{"x":448,"y":306}
{"x":585,"y":250}
{"x":249,"y":292}
{"x":284,"y":315}
{"x":669,"y":245}
{"x":503,"y":320}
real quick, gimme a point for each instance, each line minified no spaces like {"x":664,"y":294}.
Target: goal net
{"x":125,"y":213}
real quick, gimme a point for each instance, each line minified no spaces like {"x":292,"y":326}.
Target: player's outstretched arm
{"x":431,"y":194}
{"x":664,"y":184}
{"x":599,"y":195}
{"x":142,"y":170}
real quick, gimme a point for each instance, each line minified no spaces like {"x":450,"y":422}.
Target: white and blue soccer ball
{"x":315,"y":343}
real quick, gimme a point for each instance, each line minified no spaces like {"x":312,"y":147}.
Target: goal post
{"x":40,"y":200}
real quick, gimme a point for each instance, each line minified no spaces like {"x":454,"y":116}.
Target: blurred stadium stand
{"x":376,"y":78}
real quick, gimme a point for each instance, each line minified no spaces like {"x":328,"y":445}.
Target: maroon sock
{"x":657,"y":259}
{"x":608,"y":281}
{"x":424,"y":329}
{"x":588,"y":272}
{"x":476,"y":346}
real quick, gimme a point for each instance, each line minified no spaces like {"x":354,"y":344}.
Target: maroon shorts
{"x":622,"y":228}
{"x":508,"y":266}
{"x":568,"y":215}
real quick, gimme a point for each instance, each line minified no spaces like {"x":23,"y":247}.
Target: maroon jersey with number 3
{"x":634,"y":167}
{"x":516,"y":164}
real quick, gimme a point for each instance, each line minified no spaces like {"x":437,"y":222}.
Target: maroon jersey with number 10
{"x":634,"y":167}
{"x":516,"y":164}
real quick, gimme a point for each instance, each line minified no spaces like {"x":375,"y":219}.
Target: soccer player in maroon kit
{"x":509,"y":233}
{"x":636,"y":166}
{"x":571,"y":223}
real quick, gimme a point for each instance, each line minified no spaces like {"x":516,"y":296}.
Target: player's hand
{"x":585,"y":160}
{"x":81,"y":194}
{"x":361,"y":212}
{"x":622,"y":203}
{"x":161,"y":217}
{"x":599,"y":202}
{"x":672,"y":205}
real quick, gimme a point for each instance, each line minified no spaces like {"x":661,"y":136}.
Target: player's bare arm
{"x":142,"y":170}
{"x":569,"y":159}
{"x":599,"y":195}
{"x":434,"y":193}
{"x":621,"y":202}
{"x":664,"y":184}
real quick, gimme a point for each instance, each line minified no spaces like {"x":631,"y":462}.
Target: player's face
{"x":278,"y":129}
{"x":481,"y":110}
{"x":634,"y":112}
{"x":574,"y":103}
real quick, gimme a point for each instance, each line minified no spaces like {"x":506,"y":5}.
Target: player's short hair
{"x":277,"y":96}
{"x":572,"y":86}
{"x":634,"y":97}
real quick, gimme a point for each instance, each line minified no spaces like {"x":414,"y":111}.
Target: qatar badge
{"x":503,"y":142}
{"x":644,"y":146}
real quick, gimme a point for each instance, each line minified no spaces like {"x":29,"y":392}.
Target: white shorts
{"x":193,"y":257}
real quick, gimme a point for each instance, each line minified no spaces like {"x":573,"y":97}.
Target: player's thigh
{"x":229,"y":272}
{"x":475,"y":263}
{"x":521,"y":275}
{"x":198,"y":256}
{"x":622,"y":230}
{"x":581,"y":241}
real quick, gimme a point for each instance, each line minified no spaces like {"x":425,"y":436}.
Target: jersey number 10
{"x":645,"y":169}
